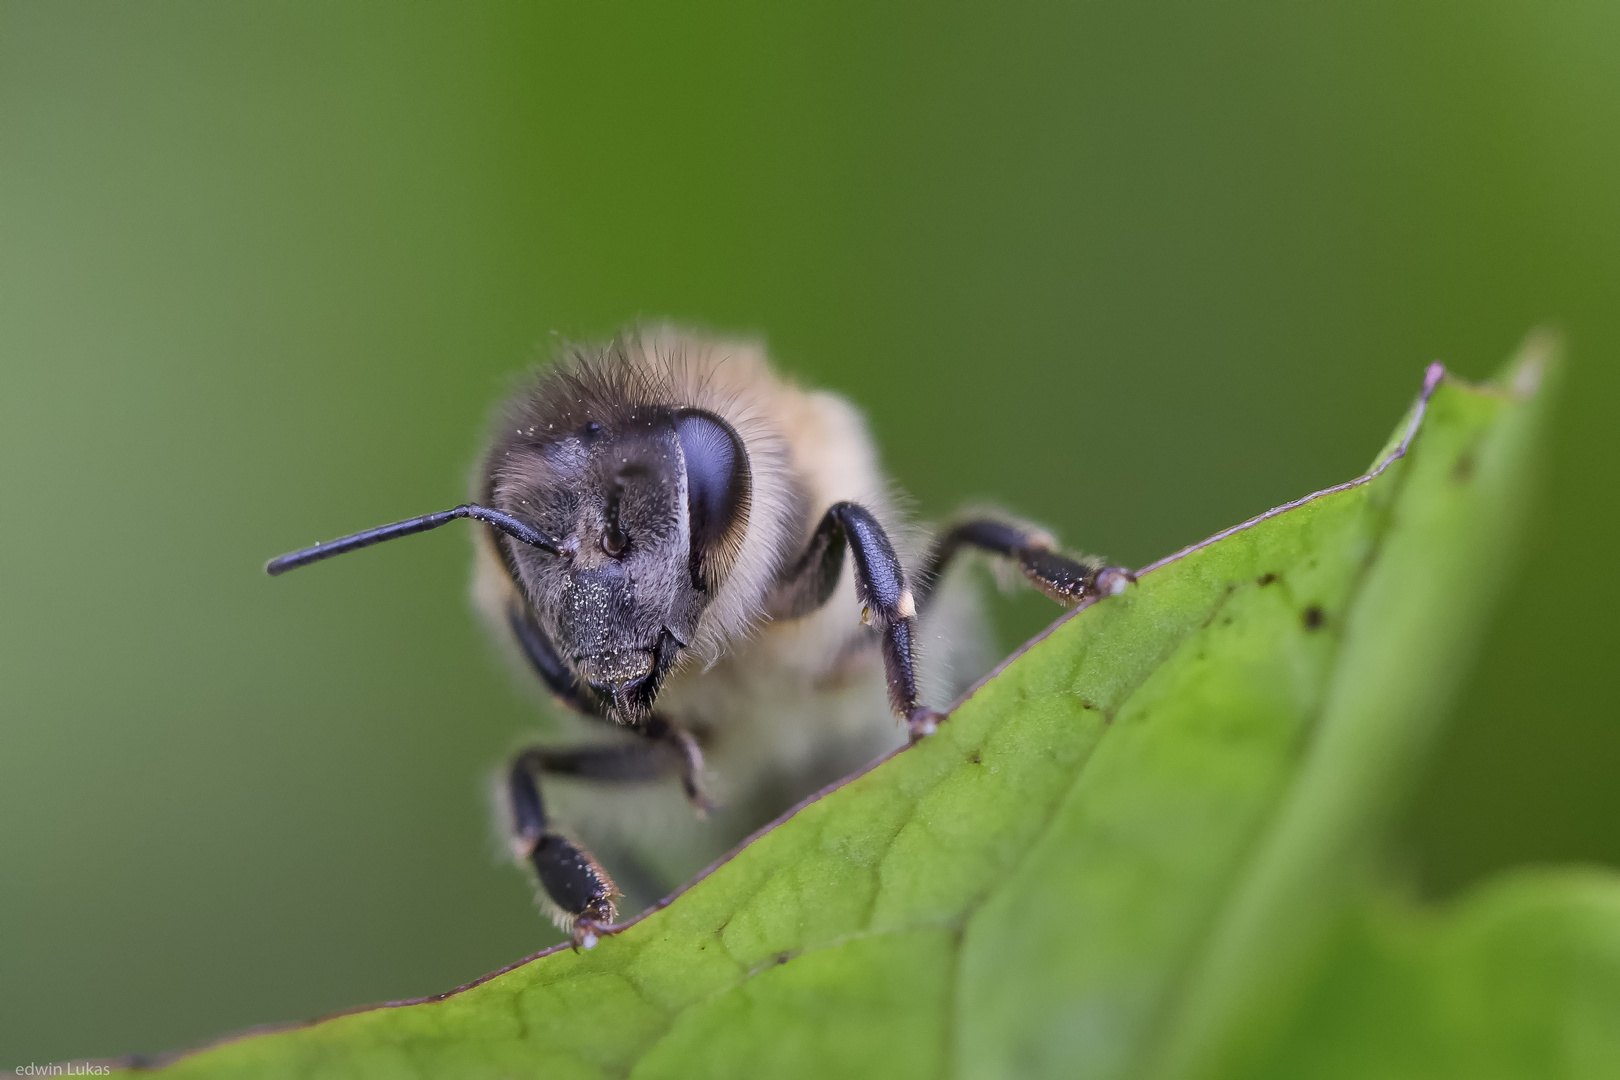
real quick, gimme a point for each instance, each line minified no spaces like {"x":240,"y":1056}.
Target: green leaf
{"x":1521,"y":980}
{"x":1134,"y":851}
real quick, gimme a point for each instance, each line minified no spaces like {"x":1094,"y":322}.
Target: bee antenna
{"x":508,"y":524}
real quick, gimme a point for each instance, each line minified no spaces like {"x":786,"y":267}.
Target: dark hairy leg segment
{"x":1066,"y":580}
{"x":570,"y":876}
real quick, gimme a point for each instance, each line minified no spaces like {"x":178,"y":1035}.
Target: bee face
{"x":631,"y":500}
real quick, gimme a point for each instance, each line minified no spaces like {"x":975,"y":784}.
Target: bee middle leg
{"x":1064,"y":579}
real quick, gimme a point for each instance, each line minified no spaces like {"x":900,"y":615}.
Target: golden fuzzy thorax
{"x":779,"y":706}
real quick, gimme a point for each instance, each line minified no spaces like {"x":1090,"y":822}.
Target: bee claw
{"x":701,"y":804}
{"x":922,"y":722}
{"x":588,"y":932}
{"x":1112,"y":580}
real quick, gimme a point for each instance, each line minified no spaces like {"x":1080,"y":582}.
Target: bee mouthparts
{"x":616,"y":668}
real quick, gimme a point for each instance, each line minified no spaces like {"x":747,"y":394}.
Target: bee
{"x":705,"y":564}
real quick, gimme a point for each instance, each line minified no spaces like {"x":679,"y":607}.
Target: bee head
{"x":645,"y":508}
{"x":617,"y":516}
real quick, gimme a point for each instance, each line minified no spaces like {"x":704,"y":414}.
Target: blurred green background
{"x":1139,"y":271}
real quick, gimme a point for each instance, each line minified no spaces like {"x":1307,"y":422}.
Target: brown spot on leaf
{"x":1314,"y":618}
{"x":1265,"y":579}
{"x":1463,"y":470}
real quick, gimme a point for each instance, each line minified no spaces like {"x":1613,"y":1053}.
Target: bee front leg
{"x":668,"y":735}
{"x":573,"y":881}
{"x":670,"y":749}
{"x":880,"y":584}
{"x":570,"y":876}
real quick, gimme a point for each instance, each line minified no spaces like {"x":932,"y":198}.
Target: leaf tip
{"x":1529,"y":368}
